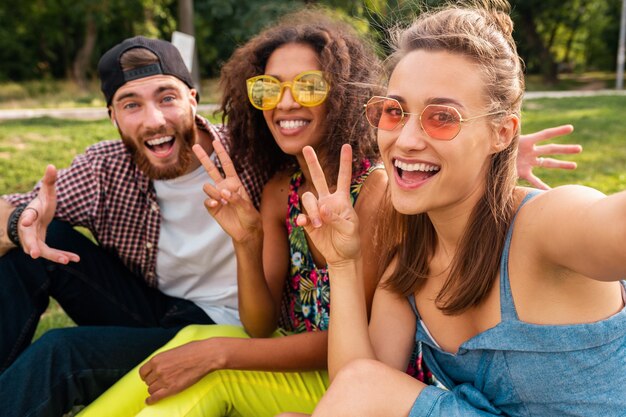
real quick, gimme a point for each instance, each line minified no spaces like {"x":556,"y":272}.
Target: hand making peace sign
{"x":331,"y":221}
{"x":228,"y":201}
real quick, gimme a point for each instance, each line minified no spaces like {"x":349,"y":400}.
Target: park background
{"x":49,"y":51}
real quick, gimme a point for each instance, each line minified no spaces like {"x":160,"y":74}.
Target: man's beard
{"x":184,"y":133}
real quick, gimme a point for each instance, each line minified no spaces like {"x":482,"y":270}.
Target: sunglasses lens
{"x":441,"y":122}
{"x":310,"y":89}
{"x":263,"y":92}
{"x":384,"y":113}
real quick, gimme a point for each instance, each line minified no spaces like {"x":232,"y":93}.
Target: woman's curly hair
{"x":349,"y":63}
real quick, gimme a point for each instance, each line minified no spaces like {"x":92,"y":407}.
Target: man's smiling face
{"x":155,"y":118}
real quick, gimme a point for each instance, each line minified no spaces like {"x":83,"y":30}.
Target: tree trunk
{"x":186,"y":25}
{"x":81,"y":62}
{"x":547,"y":62}
{"x":572,"y":34}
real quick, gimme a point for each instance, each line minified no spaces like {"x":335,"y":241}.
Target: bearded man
{"x":161,"y":261}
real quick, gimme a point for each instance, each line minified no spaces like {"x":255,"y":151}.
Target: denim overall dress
{"x":522,"y":369}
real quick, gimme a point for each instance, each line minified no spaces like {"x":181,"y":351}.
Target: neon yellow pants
{"x":220,"y":393}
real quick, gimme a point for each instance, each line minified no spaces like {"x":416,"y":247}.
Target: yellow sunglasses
{"x":309,"y":89}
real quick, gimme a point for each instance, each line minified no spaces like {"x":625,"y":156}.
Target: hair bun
{"x":498,"y":11}
{"x":503,"y":21}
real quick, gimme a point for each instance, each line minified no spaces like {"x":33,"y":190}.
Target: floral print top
{"x":308,"y":288}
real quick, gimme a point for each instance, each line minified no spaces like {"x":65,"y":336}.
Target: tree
{"x":65,"y":38}
{"x":567,"y":34}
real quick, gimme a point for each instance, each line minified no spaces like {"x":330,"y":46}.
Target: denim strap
{"x":507,"y":307}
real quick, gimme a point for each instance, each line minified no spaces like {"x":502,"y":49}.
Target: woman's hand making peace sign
{"x":331,"y":221}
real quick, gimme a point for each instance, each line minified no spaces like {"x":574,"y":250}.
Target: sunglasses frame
{"x":286,"y":84}
{"x":403,"y":119}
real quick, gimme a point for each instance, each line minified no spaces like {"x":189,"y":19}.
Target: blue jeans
{"x":121,"y":321}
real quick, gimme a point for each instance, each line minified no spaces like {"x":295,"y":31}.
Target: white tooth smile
{"x":415,"y":167}
{"x":292,"y":124}
{"x":158,"y":141}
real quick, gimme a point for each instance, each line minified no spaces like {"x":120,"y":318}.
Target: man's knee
{"x":67,"y":343}
{"x":54,"y":342}
{"x":62,"y":235}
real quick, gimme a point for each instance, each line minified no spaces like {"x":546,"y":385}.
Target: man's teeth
{"x":415,"y":167}
{"x":292,"y":124}
{"x":158,"y":141}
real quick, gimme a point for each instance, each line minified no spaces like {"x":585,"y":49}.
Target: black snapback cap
{"x":170,"y":62}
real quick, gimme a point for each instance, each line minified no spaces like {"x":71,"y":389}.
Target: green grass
{"x":27,"y":145}
{"x":49,"y":94}
{"x":599,"y":127}
{"x":585,"y":81}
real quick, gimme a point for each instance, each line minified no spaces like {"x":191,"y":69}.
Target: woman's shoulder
{"x":279,"y":183}
{"x":275,"y":192}
{"x":372,"y":191}
{"x":557,"y":199}
{"x":376,"y":176}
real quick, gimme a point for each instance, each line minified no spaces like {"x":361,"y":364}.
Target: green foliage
{"x":222,"y":25}
{"x":577,"y":34}
{"x":40,"y":39}
{"x":602,"y":43}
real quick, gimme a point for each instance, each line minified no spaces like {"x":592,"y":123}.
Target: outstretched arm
{"x":587,"y":231}
{"x":530,"y":155}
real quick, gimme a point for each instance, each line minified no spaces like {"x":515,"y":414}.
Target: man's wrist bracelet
{"x":12,"y":225}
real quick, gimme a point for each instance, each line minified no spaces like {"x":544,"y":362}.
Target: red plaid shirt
{"x":104,"y":191}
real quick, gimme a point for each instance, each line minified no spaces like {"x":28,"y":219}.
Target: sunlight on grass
{"x":49,"y":94}
{"x":586,"y":81}
{"x":599,"y":128}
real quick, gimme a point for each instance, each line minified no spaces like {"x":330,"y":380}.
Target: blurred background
{"x":51,"y":47}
